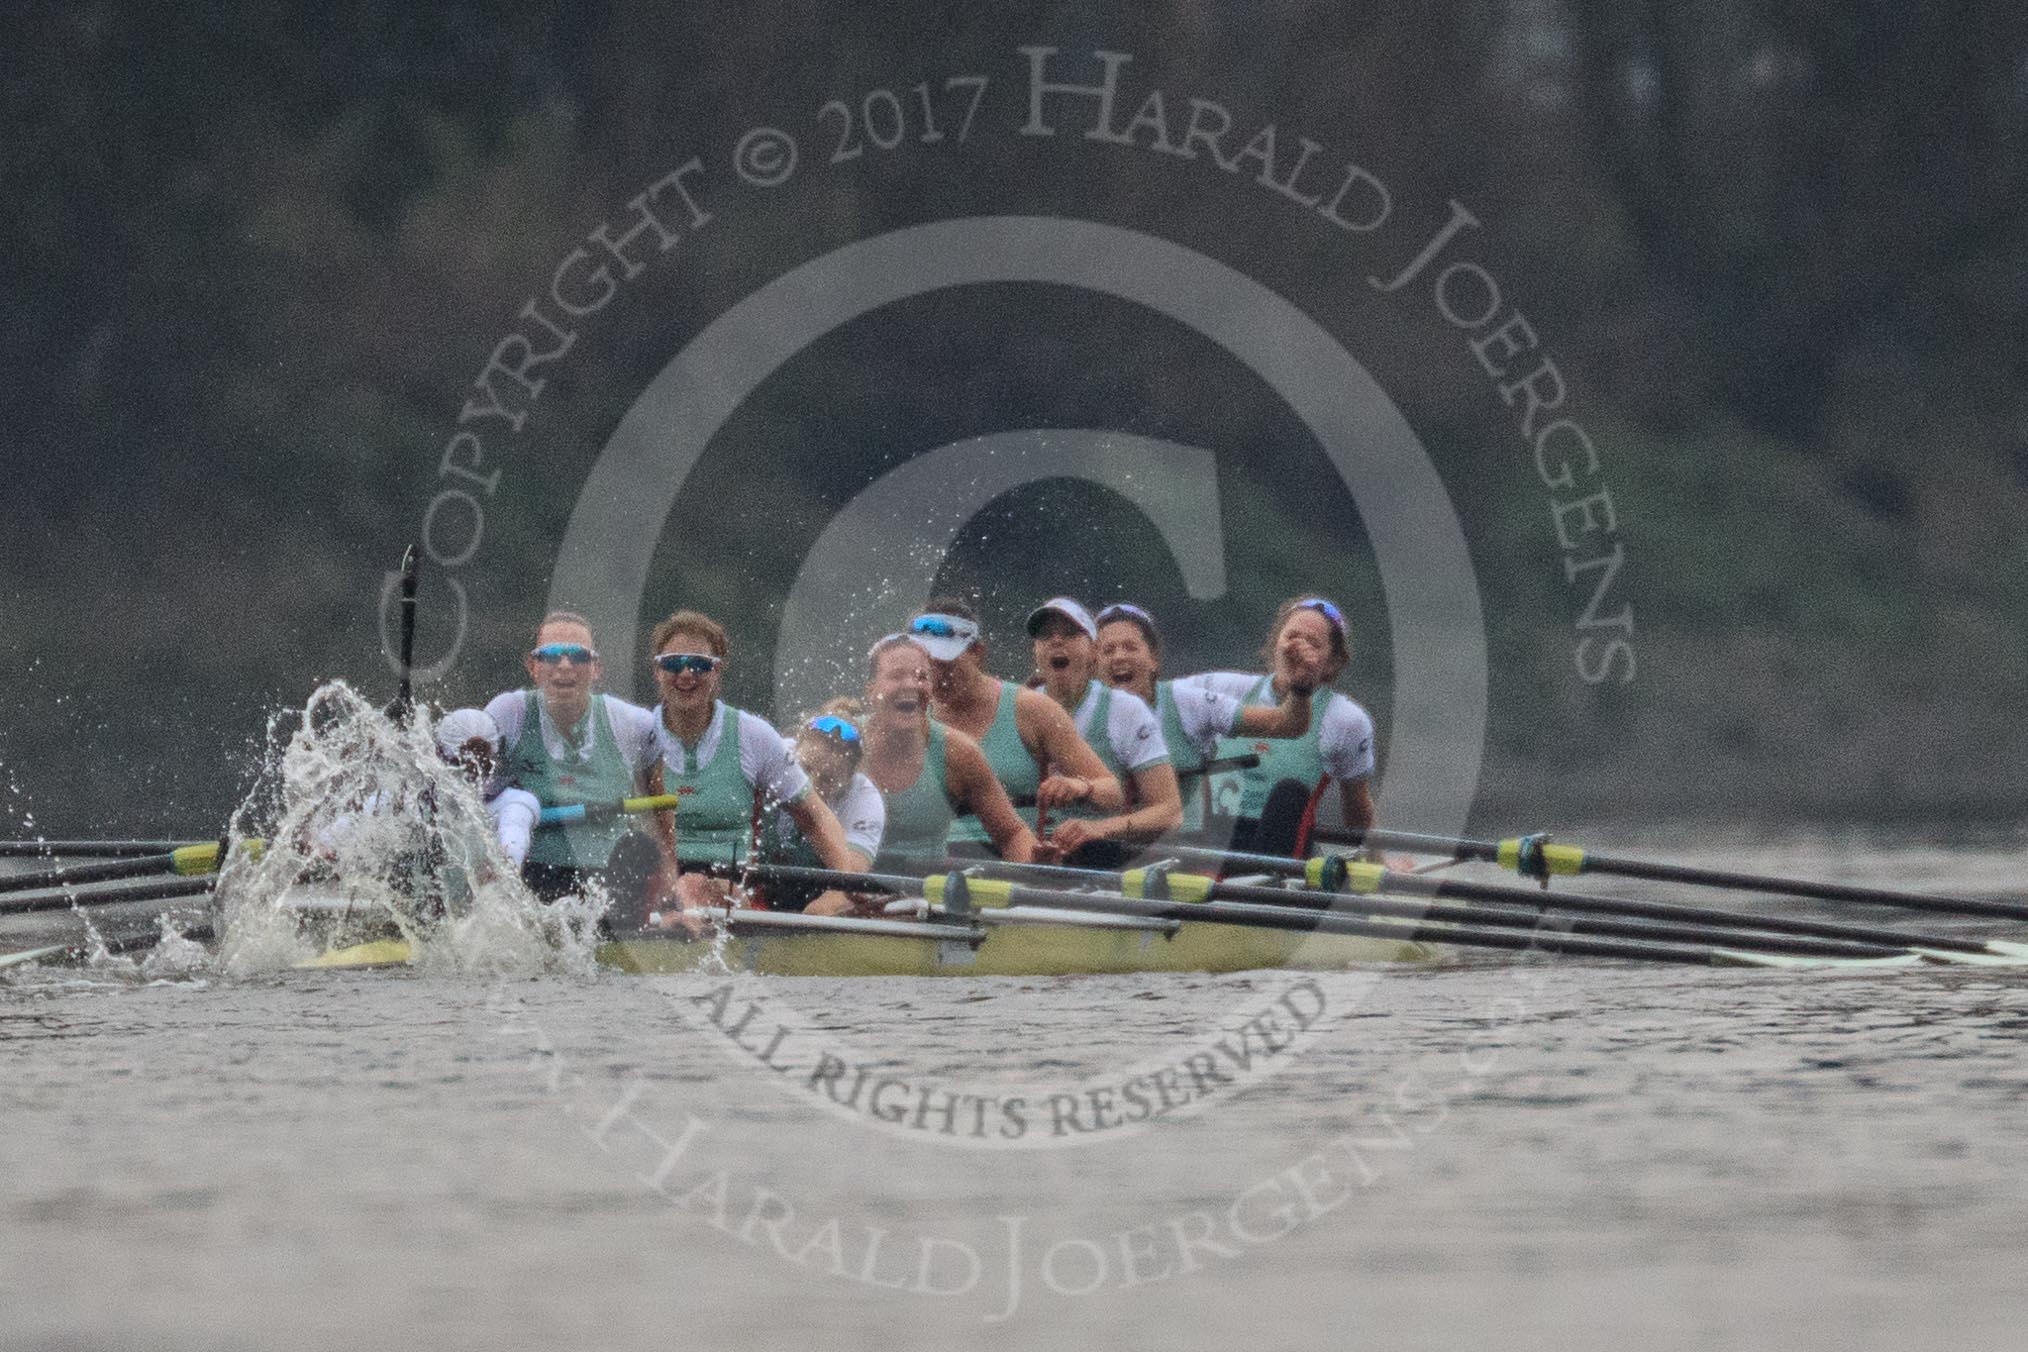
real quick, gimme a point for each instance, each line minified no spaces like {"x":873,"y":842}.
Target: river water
{"x":1544,"y":1153}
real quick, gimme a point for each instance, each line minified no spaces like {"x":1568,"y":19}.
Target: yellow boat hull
{"x":1027,"y":950}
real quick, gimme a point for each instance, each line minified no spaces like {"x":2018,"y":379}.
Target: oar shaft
{"x":86,"y":849}
{"x":145,"y":889}
{"x":66,"y":875}
{"x":404,"y":695}
{"x":185,"y":859}
{"x":1688,"y":922}
{"x":1820,"y":891}
{"x":1412,"y":923}
{"x":573,"y":814}
{"x":1560,"y":858}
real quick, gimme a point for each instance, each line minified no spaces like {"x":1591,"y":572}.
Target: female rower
{"x":1193,"y":715}
{"x":829,"y":746}
{"x":567,"y":744}
{"x":470,"y":740}
{"x":1030,"y":741}
{"x":1118,"y":725}
{"x":728,"y":766}
{"x":928,"y":774}
{"x":1307,"y":648}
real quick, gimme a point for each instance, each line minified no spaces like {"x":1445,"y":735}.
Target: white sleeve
{"x":634,"y":728}
{"x":863,"y":814}
{"x":768,"y":761}
{"x":1135,"y":735}
{"x":507,"y":710}
{"x":1345,"y":741}
{"x":514,"y":815}
{"x":1208,"y":705}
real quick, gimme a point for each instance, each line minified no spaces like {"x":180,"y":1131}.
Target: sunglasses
{"x":549,"y":654}
{"x":836,"y":728}
{"x":1126,"y":610}
{"x":678,"y":663}
{"x":1324,"y":608}
{"x":933,"y":626}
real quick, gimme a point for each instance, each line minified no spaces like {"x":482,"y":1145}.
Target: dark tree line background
{"x":256,"y":254}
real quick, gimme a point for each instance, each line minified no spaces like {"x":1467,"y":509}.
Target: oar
{"x":959,"y":894}
{"x":1540,"y":858}
{"x":1642,"y":921}
{"x":404,"y":694}
{"x":187,"y":860}
{"x":146,"y":889}
{"x":85,"y":849}
{"x":1210,"y":767}
{"x":572,"y":814}
{"x":133,"y":921}
{"x":1336,"y":875}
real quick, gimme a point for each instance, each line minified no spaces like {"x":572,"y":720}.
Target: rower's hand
{"x":1062,"y":790}
{"x":1048,"y":851}
{"x":1073,"y":834}
{"x":689,"y":923}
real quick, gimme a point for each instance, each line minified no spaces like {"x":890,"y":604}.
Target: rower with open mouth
{"x":929,"y":774}
{"x":568,"y":743}
{"x":1118,"y":725}
{"x":1194,"y":716}
{"x":728,"y":768}
{"x":1275,"y":801}
{"x":1030,"y":741}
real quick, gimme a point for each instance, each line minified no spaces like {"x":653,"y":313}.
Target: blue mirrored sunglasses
{"x":832,"y":726}
{"x":549,"y":654}
{"x":1324,"y":608}
{"x":934,"y":626}
{"x":678,"y":663}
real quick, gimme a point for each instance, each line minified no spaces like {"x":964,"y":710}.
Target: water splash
{"x":369,"y":834}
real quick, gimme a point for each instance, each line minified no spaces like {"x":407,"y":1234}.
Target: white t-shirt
{"x":1132,"y":732}
{"x":860,"y":810}
{"x":514,"y":813}
{"x":766,"y":759}
{"x":633,"y":728}
{"x":1205,"y":711}
{"x":1344,"y":741}
{"x":863,"y":813}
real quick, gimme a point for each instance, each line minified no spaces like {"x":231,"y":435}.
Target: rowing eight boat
{"x":1011,"y":941}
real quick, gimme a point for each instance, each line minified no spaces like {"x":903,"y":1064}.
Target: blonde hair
{"x":691,"y":622}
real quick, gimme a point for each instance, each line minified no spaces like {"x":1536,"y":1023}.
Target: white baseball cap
{"x":943,"y":637}
{"x":1069,"y":609}
{"x":460,"y":726}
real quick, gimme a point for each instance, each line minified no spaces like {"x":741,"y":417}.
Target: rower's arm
{"x":661,"y":825}
{"x":1290,"y":718}
{"x":1357,"y":798}
{"x":981,"y":793}
{"x":820,"y":826}
{"x":1161,"y":810}
{"x":1079,"y":775}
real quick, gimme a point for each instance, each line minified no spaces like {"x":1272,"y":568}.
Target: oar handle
{"x":575,"y":814}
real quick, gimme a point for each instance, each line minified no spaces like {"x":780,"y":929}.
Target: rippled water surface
{"x":1549,"y":1153}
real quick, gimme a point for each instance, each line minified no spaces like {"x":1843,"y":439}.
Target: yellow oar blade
{"x":379,"y":953}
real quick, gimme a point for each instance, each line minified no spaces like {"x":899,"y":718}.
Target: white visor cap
{"x":1070,"y":610}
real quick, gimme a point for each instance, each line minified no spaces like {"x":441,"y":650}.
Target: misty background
{"x":256,"y":256}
